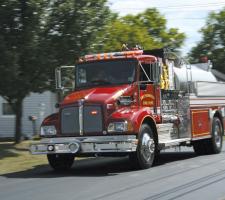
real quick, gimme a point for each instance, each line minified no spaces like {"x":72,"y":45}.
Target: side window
{"x":143,"y":73}
{"x":146,"y":73}
{"x":149,"y":72}
{"x":7,"y":109}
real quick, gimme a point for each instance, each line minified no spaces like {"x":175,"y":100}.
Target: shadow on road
{"x":96,"y":167}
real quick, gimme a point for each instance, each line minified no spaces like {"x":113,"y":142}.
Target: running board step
{"x":174,"y":142}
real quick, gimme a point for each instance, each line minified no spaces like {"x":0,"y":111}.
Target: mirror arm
{"x":58,"y":78}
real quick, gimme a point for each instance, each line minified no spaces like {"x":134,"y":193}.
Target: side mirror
{"x":65,"y":77}
{"x":157,"y":73}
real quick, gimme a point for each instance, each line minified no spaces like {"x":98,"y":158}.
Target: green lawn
{"x":14,"y":158}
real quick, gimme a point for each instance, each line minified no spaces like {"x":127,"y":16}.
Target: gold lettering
{"x":147,"y":103}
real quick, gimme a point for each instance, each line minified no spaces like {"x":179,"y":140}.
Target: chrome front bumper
{"x":95,"y":144}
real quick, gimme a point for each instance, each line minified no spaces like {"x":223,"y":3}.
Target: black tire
{"x":60,"y":162}
{"x":214,"y":144}
{"x":144,"y":156}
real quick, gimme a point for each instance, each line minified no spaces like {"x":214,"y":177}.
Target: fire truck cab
{"x":133,"y":103}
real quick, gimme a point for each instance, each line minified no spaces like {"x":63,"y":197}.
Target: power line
{"x":194,"y":5}
{"x":180,"y":18}
{"x":187,"y":6}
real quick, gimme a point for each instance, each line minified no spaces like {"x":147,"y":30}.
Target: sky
{"x":186,"y":15}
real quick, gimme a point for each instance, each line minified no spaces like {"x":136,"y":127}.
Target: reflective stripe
{"x":207,"y":101}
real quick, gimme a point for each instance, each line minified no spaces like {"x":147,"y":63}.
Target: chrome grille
{"x":80,"y":120}
{"x":70,"y":120}
{"x":92,"y":119}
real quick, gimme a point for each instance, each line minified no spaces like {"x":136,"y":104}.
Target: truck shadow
{"x":97,"y":167}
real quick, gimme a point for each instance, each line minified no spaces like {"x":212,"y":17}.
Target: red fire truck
{"x":133,"y":103}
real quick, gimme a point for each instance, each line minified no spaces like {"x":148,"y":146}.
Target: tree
{"x":19,"y":27}
{"x":38,"y":35}
{"x":212,"y":44}
{"x":72,"y":26}
{"x":147,"y":29}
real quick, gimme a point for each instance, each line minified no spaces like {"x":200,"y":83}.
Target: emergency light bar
{"x":111,"y":55}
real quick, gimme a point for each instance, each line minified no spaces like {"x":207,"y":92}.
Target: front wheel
{"x":144,"y":156}
{"x":60,"y":162}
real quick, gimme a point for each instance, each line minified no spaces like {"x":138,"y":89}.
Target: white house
{"x":36,"y":104}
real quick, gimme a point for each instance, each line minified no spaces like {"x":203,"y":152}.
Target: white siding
{"x":39,"y":105}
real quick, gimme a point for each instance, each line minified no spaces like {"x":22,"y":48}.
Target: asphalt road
{"x":177,"y":175}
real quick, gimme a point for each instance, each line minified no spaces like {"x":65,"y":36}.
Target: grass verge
{"x":16,"y":157}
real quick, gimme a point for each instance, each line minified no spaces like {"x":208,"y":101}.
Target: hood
{"x":99,"y":94}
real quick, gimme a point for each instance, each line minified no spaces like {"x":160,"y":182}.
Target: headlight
{"x":117,"y":127}
{"x":48,"y":130}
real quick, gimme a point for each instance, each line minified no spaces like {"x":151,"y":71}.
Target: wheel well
{"x":217,"y":114}
{"x":152,"y":124}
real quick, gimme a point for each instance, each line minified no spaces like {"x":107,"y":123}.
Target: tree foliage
{"x":38,"y":35}
{"x":147,"y":29}
{"x":212,"y":44}
{"x":71,"y":26}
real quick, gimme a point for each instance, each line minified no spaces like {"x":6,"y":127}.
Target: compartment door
{"x":200,"y":122}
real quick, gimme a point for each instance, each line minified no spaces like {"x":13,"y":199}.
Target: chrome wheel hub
{"x":147,"y":146}
{"x":217,"y":135}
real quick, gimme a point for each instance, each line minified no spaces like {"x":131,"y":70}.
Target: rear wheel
{"x":214,"y":144}
{"x":144,"y":156}
{"x":60,"y":162}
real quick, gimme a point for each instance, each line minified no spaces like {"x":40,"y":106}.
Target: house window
{"x":7,"y":109}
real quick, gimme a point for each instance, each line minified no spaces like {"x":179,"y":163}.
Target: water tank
{"x":183,"y":74}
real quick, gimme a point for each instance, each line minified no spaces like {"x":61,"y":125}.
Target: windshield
{"x":111,"y":72}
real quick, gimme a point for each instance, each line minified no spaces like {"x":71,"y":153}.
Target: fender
{"x":135,"y":115}
{"x":219,"y":113}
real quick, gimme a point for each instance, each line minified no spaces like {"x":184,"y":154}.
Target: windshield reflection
{"x":113,"y":72}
